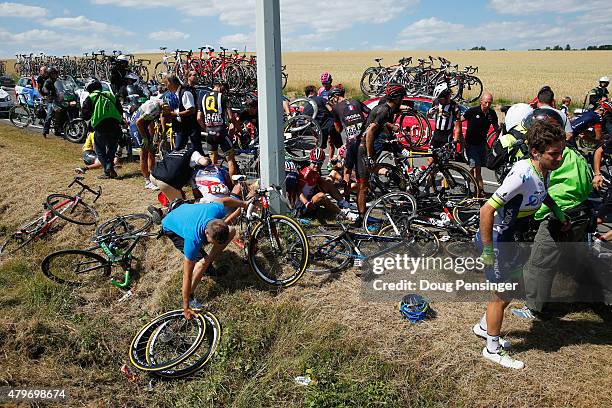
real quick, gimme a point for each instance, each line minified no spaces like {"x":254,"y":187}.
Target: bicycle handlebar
{"x":78,"y":179}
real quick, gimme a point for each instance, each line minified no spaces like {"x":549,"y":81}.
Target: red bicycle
{"x":71,"y":208}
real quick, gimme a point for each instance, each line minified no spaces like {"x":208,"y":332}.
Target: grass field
{"x":361,"y":352}
{"x":512,"y":76}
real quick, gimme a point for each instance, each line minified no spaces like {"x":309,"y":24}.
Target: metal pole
{"x":271,"y":147}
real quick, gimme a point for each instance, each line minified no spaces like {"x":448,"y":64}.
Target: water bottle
{"x":416,"y":172}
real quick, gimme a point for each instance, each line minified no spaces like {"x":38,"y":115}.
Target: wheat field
{"x":510,"y":75}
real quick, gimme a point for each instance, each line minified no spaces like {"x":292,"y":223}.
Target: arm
{"x":141,"y":124}
{"x":487,"y":213}
{"x":87,"y":109}
{"x":201,"y":120}
{"x":597,"y":179}
{"x":370,"y":138}
{"x":457,"y":130}
{"x":186,"y":288}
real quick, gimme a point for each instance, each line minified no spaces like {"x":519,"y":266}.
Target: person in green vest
{"x":103,"y":111}
{"x":569,"y":186}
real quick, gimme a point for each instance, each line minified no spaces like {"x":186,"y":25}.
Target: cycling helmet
{"x":414,"y":307}
{"x":441,"y":90}
{"x":326,"y":78}
{"x":132,"y":76}
{"x":342,"y":151}
{"x":543,"y":114}
{"x":52,"y":70}
{"x":317,"y":155}
{"x":395,"y":91}
{"x":516,"y":114}
{"x":93,"y":85}
{"x":171,"y":100}
{"x":337,"y":91}
{"x":290,"y":167}
{"x":606,"y":106}
{"x":123,"y":58}
{"x":604,"y":79}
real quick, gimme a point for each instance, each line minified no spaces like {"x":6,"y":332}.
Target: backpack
{"x":104,"y":107}
{"x":507,"y":148}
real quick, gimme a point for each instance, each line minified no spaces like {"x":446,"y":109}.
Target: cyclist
{"x":142,"y":129}
{"x":447,"y":117}
{"x":598,"y":93}
{"x":184,"y":116}
{"x":379,"y":127}
{"x":247,"y":122}
{"x":89,"y":156}
{"x":118,"y":72}
{"x":104,"y":112}
{"x":313,"y":189}
{"x":50,"y":93}
{"x":521,"y":194}
{"x":598,"y":182}
{"x":326,"y":85}
{"x":545,"y":100}
{"x":479,"y":119}
{"x":349,"y":118}
{"x":190,"y":227}
{"x":330,"y":138}
{"x":215,"y":115}
{"x":593,"y":118}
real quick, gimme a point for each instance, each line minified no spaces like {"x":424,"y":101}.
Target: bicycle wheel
{"x":467,"y":213}
{"x":76,"y":267}
{"x":200,"y":356}
{"x":20,"y":116}
{"x":328,"y":254}
{"x":419,"y":241}
{"x":278,"y":251}
{"x":167,"y":341}
{"x":302,"y":134}
{"x":301,"y":103}
{"x":75,"y":130}
{"x":472,"y":89}
{"x":71,"y":209}
{"x":456,"y":181}
{"x":414,"y":129}
{"x":125,"y":225}
{"x":21,"y":237}
{"x":389,"y":210}
{"x":461,"y":246}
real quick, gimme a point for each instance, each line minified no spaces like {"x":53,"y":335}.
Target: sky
{"x":73,"y":27}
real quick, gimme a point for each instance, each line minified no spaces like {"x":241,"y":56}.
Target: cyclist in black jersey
{"x":379,"y":126}
{"x":349,"y":118}
{"x":215,"y":115}
{"x":246,"y":122}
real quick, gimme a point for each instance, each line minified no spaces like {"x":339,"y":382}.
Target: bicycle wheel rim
{"x":202,"y":355}
{"x":20,"y":116}
{"x":173,"y":342}
{"x":458,"y":183}
{"x":278,"y":266}
{"x":387,"y":211}
{"x":327,"y":254}
{"x":125,"y":225}
{"x":71,"y":210}
{"x":461,"y":247}
{"x":467,"y":213}
{"x":76,"y":267}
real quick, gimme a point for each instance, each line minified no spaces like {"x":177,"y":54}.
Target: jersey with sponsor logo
{"x":308,"y":181}
{"x":210,"y":182}
{"x":214,"y":106}
{"x":351,"y":115}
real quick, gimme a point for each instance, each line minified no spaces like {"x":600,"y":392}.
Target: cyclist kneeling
{"x":190,"y":227}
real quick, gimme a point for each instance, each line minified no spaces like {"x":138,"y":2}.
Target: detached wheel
{"x":75,"y":131}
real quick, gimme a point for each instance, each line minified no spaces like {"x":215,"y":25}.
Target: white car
{"x":83,"y":94}
{"x":6,"y":102}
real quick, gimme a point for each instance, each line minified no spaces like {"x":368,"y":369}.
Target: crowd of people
{"x":551,"y":180}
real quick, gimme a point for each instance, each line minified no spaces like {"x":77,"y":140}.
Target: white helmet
{"x":604,"y":79}
{"x":439,"y":89}
{"x":123,"y":58}
{"x":516,"y":114}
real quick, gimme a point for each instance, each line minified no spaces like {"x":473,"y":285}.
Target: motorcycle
{"x":67,"y":111}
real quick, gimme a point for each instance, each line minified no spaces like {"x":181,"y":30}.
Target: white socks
{"x":493,"y":344}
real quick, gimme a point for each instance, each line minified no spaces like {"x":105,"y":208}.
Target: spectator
{"x":50,"y":93}
{"x":565,"y":106}
{"x":479,"y":120}
{"x":546,"y":98}
{"x":599,"y":92}
{"x":104,"y":112}
{"x":41,"y":78}
{"x":195,"y":137}
{"x":184,"y":116}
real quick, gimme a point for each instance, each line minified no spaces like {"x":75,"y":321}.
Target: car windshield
{"x":66,"y":85}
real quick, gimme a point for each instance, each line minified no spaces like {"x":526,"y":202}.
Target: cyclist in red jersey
{"x":326,"y":85}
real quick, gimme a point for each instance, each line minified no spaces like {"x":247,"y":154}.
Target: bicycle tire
{"x":69,"y":212}
{"x":143,"y":357}
{"x":473,"y":96}
{"x":423,"y":129}
{"x":202,"y":355}
{"x":125,"y":225}
{"x":91,"y":262}
{"x":419,"y":241}
{"x":461,"y":247}
{"x":297,"y":103}
{"x":322,"y":248}
{"x":465,"y":185}
{"x":387,"y":210}
{"x":21,"y":237}
{"x":258,"y":257}
{"x":467,"y":213}
{"x":301,"y":139}
{"x":17,"y":118}
{"x":75,"y":130}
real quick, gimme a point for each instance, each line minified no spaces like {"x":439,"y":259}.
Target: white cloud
{"x":192,"y":8}
{"x":52,"y":42}
{"x":522,"y":7}
{"x":239,"y":40}
{"x":168,"y":35}
{"x":21,"y":10}
{"x":82,"y":23}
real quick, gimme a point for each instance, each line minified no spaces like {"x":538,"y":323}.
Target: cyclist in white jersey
{"x":505,"y":213}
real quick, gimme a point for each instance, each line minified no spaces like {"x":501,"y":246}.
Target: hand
{"x":188,"y":313}
{"x":488,"y":255}
{"x":566,"y":226}
{"x":597,"y":182}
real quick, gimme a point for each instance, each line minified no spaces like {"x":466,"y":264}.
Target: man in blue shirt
{"x":190,"y":227}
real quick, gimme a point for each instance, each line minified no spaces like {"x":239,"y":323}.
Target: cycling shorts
{"x":336,"y":139}
{"x":440,"y":138}
{"x":351,"y":154}
{"x":219,"y":136}
{"x":291,"y":182}
{"x":140,"y":141}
